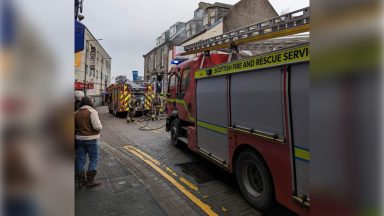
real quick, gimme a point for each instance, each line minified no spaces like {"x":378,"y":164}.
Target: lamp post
{"x":85,"y":64}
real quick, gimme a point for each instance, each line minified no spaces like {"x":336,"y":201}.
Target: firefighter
{"x":131,"y":108}
{"x":163,"y":103}
{"x":156,"y":105}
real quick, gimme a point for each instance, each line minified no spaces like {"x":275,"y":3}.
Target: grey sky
{"x":129,"y":27}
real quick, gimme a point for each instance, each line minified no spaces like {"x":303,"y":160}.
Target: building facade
{"x":157,"y":61}
{"x":92,"y":67}
{"x":248,"y":12}
{"x":209,"y":20}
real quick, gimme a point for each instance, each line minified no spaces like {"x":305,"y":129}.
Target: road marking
{"x":205,"y":207}
{"x":185,"y":181}
{"x":171,"y":171}
{"x":156,"y":132}
{"x":189,"y":184}
{"x":144,"y":154}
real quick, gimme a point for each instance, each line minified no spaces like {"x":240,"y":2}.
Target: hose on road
{"x":147,"y":119}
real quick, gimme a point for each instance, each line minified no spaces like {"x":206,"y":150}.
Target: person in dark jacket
{"x":87,"y":131}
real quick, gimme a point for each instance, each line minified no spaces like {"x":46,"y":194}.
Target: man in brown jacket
{"x":87,"y":131}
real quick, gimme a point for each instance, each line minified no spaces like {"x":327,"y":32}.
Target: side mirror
{"x":168,"y":95}
{"x":208,"y":72}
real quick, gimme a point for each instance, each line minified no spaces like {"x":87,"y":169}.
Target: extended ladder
{"x":288,"y":24}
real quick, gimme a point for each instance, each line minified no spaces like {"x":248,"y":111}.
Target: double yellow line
{"x":156,"y":165}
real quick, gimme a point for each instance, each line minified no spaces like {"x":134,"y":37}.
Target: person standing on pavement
{"x":87,"y":130}
{"x":79,"y":95}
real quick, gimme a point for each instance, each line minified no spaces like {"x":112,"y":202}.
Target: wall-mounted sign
{"x":80,"y":85}
{"x":78,"y":59}
{"x":135,"y":75}
{"x":79,"y":36}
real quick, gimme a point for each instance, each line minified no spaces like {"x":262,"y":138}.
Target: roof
{"x":202,"y":31}
{"x":96,"y":40}
{"x":134,"y":85}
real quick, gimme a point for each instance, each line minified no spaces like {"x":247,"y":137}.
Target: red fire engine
{"x":249,"y":116}
{"x":119,"y":96}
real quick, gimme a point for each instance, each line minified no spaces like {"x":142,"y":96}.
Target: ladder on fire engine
{"x":288,"y":24}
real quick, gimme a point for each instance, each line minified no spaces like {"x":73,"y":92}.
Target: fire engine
{"x":118,"y":98}
{"x":249,"y":116}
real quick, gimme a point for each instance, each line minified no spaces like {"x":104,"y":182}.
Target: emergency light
{"x":177,"y":61}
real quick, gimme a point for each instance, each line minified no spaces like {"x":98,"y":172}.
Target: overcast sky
{"x":129,"y":28}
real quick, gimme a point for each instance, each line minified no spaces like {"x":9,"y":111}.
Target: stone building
{"x":248,"y":12}
{"x":157,"y":61}
{"x":209,"y":20}
{"x":92,"y":65}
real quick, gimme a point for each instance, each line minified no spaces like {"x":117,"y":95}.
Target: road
{"x":142,"y":173}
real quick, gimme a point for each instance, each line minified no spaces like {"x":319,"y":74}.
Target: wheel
{"x":175,"y":131}
{"x":254,"y":180}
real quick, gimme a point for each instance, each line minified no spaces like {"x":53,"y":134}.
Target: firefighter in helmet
{"x":131,"y":108}
{"x":156,"y":105}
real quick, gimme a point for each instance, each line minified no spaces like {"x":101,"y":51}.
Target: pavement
{"x":142,"y":173}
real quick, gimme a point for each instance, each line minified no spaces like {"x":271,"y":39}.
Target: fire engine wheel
{"x":254,"y":180}
{"x":175,"y":131}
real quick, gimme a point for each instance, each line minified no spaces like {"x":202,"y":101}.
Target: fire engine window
{"x":172,"y":81}
{"x":185,"y":80}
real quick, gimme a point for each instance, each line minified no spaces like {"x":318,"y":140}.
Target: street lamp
{"x":85,"y":62}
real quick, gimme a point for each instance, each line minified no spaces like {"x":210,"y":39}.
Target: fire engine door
{"x":212,"y":116}
{"x":172,"y":91}
{"x":184,"y":96}
{"x":299,"y":99}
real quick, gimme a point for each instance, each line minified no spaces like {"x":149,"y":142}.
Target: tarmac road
{"x":142,"y":173}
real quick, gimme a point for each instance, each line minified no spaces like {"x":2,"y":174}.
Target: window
{"x":162,"y":58}
{"x":172,"y":30}
{"x":185,"y":80}
{"x":212,"y":13}
{"x":193,"y":28}
{"x":172,"y":81}
{"x":205,"y":20}
{"x":97,"y":73}
{"x":212,"y":20}
{"x":154,"y":65}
